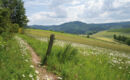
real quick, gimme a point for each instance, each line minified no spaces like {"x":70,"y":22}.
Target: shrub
{"x":1,"y":30}
{"x":128,"y":42}
{"x":4,"y":20}
{"x":88,"y":36}
{"x":123,"y":38}
{"x":21,"y":30}
{"x":6,"y":36}
{"x":114,"y":36}
{"x":14,"y":28}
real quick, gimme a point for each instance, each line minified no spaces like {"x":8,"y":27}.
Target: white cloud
{"x":46,"y":18}
{"x":36,"y":2}
{"x":60,"y":11}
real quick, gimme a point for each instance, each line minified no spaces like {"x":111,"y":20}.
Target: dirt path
{"x":42,"y":72}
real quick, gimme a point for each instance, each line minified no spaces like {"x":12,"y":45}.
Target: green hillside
{"x":122,"y":30}
{"x":108,"y":35}
{"x":79,"y":39}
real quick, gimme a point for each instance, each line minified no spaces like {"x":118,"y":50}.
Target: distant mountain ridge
{"x":77,"y":27}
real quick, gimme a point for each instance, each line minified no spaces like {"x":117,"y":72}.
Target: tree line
{"x":122,"y":38}
{"x":12,"y":16}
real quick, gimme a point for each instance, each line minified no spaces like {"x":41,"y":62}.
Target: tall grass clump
{"x":66,"y":54}
{"x":70,"y":64}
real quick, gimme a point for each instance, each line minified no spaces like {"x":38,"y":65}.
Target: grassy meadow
{"x":78,"y":39}
{"x":15,"y":61}
{"x":71,"y":59}
{"x":79,"y":63}
{"x":108,"y":35}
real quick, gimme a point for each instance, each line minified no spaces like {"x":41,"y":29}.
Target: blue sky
{"x":52,"y":12}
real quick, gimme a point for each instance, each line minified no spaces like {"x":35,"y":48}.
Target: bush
{"x":88,"y":36}
{"x":21,"y":30}
{"x":14,"y":28}
{"x":114,"y":36}
{"x":128,"y":42}
{"x":4,"y":20}
{"x":1,"y":30}
{"x":6,"y":36}
{"x":123,"y":38}
{"x":2,"y":43}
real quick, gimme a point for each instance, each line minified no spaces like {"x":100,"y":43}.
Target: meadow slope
{"x":108,"y":35}
{"x":81,"y":62}
{"x":79,"y":39}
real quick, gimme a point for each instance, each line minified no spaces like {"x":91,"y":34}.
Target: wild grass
{"x":71,"y":64}
{"x":79,"y":39}
{"x":15,"y":63}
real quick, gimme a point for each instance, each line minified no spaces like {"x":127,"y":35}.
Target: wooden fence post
{"x":52,"y":37}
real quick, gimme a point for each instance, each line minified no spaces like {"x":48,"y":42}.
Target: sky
{"x":54,"y":12}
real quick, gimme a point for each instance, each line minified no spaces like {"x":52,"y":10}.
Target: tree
{"x":123,"y":38}
{"x":88,"y":36}
{"x":19,"y":14}
{"x":6,"y":24}
{"x":114,"y":36}
{"x":0,"y":4}
{"x":119,"y":38}
{"x":17,"y":11}
{"x":4,"y":20}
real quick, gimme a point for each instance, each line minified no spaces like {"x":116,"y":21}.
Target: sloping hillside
{"x":108,"y":35}
{"x":78,"y":39}
{"x":122,"y":30}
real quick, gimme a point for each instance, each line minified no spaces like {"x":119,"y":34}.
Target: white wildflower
{"x":38,"y":78}
{"x":46,"y":77}
{"x":60,"y":78}
{"x":31,"y":66}
{"x":120,"y":67}
{"x":36,"y":72}
{"x":26,"y":60}
{"x":23,"y":75}
{"x":111,"y":54}
{"x":30,"y":75}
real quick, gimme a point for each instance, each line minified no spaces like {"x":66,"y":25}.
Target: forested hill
{"x":78,"y":27}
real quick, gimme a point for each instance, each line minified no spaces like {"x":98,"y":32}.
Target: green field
{"x":108,"y":35}
{"x":82,"y":63}
{"x":79,"y":39}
